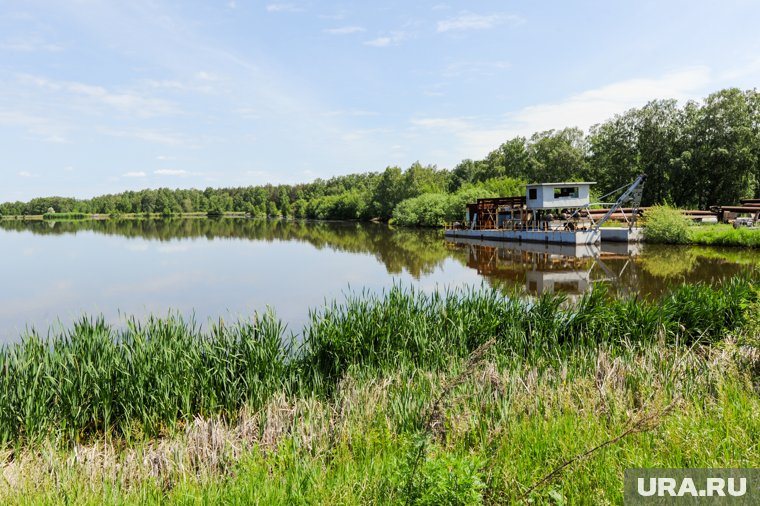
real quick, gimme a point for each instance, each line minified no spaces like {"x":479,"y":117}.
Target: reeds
{"x":152,"y":378}
{"x":95,"y":380}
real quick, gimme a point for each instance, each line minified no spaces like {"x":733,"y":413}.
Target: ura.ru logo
{"x":713,"y":487}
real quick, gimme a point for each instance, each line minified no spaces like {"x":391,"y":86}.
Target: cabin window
{"x":566,"y":192}
{"x":532,"y":194}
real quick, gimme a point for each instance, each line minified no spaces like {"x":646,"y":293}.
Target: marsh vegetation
{"x":462,"y":397}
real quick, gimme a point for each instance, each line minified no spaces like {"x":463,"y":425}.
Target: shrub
{"x":665,"y":224}
{"x":435,"y":209}
{"x":428,"y":210}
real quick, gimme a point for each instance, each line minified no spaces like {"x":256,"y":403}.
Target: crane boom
{"x":633,"y":193}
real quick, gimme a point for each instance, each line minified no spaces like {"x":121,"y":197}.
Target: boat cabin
{"x":545,"y":207}
{"x":557,"y":195}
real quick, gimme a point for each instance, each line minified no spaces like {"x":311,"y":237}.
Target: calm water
{"x":53,"y":273}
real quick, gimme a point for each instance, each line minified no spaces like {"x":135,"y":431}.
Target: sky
{"x":106,"y":96}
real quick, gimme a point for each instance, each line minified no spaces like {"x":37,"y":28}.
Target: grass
{"x":724,"y":235}
{"x":500,"y":430}
{"x":463,"y":397}
{"x":667,"y":225}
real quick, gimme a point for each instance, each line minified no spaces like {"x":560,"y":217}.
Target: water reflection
{"x":627,"y":269}
{"x":232,"y":267}
{"x":417,"y":252}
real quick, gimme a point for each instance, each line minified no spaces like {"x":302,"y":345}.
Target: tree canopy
{"x":695,"y":155}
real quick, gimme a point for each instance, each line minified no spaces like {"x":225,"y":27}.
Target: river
{"x":53,"y":274}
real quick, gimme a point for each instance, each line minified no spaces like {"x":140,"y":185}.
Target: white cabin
{"x":557,"y":195}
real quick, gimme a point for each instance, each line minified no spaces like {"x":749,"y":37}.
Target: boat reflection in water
{"x":547,"y":268}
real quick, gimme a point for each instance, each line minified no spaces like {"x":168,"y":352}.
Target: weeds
{"x":150,"y":379}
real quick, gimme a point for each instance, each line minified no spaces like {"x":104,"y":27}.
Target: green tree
{"x":639,"y":141}
{"x":556,"y":155}
{"x":284,"y":202}
{"x":388,"y":193}
{"x":724,"y":153}
{"x":272,"y":210}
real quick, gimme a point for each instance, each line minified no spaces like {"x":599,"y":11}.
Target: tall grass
{"x":724,"y":235}
{"x":94,"y":379}
{"x":149,"y":379}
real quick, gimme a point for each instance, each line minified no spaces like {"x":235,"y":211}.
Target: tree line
{"x":695,"y":155}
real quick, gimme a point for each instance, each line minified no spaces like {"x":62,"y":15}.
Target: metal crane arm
{"x":633,"y":193}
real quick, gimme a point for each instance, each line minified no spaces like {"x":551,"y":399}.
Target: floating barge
{"x":575,"y":237}
{"x":556,"y":213}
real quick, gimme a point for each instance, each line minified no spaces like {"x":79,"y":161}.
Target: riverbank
{"x":120,"y":216}
{"x":459,"y":397}
{"x":698,"y":235}
{"x":724,"y":235}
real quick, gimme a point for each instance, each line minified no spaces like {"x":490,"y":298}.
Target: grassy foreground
{"x":449,"y":398}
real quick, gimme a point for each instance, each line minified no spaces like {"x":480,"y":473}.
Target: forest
{"x":696,"y":154}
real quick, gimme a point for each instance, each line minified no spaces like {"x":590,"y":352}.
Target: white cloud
{"x":124,"y":102}
{"x":207,"y":76}
{"x":283,"y":8}
{"x":379,"y":42}
{"x":42,"y":127}
{"x":134,"y":174}
{"x":170,"y":172}
{"x":26,"y":173}
{"x":150,"y":135}
{"x":469,"y":137}
{"x":128,"y":102}
{"x":393,"y":39}
{"x":477,"y":22}
{"x":599,"y":104}
{"x":344,"y":30}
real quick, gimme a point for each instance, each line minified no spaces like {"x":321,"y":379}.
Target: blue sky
{"x":105,"y":96}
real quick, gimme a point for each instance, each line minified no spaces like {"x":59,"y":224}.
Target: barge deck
{"x":540,"y":236}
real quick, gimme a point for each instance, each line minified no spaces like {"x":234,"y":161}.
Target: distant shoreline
{"x":121,"y":216}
